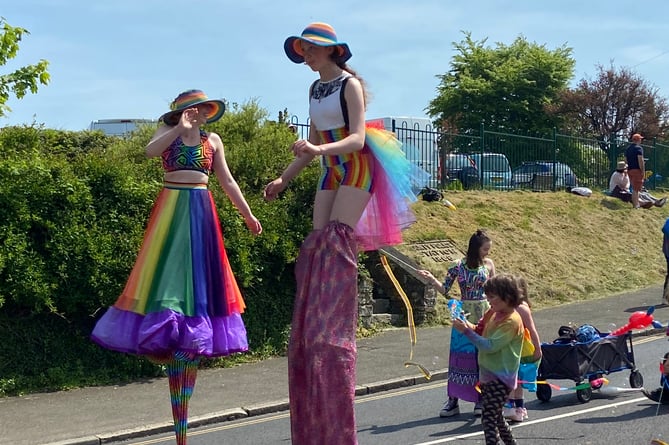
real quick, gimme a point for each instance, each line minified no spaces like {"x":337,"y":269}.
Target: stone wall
{"x":386,"y":303}
{"x":365,"y":301}
{"x":380,"y":302}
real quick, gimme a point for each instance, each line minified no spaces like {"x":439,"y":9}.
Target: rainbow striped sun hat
{"x":320,"y":34}
{"x":189,"y":99}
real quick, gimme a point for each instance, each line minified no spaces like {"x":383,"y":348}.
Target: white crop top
{"x":325,"y":104}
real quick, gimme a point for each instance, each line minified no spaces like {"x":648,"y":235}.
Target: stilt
{"x":322,"y":350}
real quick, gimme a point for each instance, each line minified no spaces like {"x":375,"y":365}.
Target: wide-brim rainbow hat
{"x":320,"y":34}
{"x":189,"y":99}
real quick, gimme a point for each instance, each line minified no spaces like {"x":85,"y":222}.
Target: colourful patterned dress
{"x":181,"y":294}
{"x":463,"y":371}
{"x":181,"y":301}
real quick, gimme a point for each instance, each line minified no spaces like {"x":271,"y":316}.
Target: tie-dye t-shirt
{"x":499,"y":348}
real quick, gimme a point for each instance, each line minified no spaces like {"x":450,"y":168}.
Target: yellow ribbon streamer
{"x":412,"y":325}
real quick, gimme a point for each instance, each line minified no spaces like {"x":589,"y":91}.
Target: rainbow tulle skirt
{"x":394,"y":180}
{"x":181,"y":294}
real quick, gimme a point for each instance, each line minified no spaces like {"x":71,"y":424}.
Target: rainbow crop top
{"x":179,"y":156}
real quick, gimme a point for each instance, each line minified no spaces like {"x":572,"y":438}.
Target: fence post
{"x":653,"y":185}
{"x":555,"y":150}
{"x":481,"y":142}
{"x":613,"y":152}
{"x":482,"y":147}
{"x":441,"y":150}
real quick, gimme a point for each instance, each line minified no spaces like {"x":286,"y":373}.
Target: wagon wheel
{"x":636,"y":379}
{"x":543,"y":392}
{"x":584,"y":395}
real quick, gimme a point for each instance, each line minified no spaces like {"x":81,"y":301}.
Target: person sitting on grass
{"x":619,"y":187}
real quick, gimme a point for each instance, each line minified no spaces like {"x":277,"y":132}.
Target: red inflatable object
{"x":637,"y":320}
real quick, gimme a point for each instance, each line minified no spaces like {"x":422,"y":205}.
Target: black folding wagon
{"x":586,"y":362}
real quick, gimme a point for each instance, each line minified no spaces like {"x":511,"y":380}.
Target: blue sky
{"x":130,"y":58}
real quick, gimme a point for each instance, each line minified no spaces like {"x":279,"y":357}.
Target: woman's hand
{"x":189,"y":118}
{"x":253,"y":224}
{"x":273,"y":189}
{"x":304,"y":147}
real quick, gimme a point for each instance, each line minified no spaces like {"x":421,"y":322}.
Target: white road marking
{"x":533,"y":422}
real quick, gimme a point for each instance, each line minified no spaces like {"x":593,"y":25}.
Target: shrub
{"x":73,"y":208}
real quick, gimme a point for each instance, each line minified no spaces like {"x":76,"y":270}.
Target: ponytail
{"x":363,"y":84}
{"x":473,"y":258}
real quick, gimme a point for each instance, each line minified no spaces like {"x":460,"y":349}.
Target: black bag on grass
{"x":430,"y":194}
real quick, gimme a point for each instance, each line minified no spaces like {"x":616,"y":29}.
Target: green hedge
{"x":73,"y":208}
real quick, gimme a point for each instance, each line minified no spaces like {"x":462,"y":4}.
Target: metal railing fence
{"x":538,"y":163}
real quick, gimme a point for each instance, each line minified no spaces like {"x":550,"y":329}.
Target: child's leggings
{"x":495,"y":427}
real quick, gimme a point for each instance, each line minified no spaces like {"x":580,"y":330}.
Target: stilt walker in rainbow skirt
{"x":357,"y":207}
{"x":181,"y":301}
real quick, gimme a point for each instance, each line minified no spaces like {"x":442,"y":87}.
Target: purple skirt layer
{"x":166,"y":331}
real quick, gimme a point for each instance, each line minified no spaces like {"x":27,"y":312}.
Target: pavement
{"x":91,"y":416}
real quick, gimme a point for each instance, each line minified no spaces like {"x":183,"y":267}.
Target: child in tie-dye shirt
{"x":499,"y":339}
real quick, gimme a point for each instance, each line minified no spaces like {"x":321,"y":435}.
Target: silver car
{"x":494,"y":170}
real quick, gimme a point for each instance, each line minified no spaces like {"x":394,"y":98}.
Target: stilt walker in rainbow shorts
{"x":357,"y":207}
{"x":181,"y":301}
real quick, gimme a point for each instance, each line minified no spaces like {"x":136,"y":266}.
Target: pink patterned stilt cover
{"x":322,"y":351}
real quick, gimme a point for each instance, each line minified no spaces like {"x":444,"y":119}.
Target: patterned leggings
{"x":493,"y":397}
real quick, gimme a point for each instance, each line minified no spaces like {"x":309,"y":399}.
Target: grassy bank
{"x":568,"y":247}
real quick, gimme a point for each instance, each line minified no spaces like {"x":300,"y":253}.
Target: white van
{"x":494,"y":170}
{"x":119,"y":127}
{"x":419,"y":142}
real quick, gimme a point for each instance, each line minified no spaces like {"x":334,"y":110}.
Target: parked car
{"x":494,"y":170}
{"x":460,"y":168}
{"x":525,"y":175}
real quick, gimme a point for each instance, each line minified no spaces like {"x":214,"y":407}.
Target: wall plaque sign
{"x":439,"y":251}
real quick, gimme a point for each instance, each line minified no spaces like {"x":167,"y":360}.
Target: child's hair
{"x":523,"y":289}
{"x":504,"y":286}
{"x":474,"y":259}
{"x":666,"y":356}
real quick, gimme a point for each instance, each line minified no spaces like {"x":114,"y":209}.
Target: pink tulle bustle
{"x":389,"y":209}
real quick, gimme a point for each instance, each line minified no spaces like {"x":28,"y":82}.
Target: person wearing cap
{"x":181,"y":301}
{"x":636,"y":167}
{"x":357,"y":207}
{"x":619,"y":187}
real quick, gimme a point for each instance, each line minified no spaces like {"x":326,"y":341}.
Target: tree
{"x":617,"y":101}
{"x":508,"y":87}
{"x":24,"y":78}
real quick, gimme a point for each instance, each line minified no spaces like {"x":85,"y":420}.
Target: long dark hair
{"x":473,"y":258}
{"x":352,"y":72}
